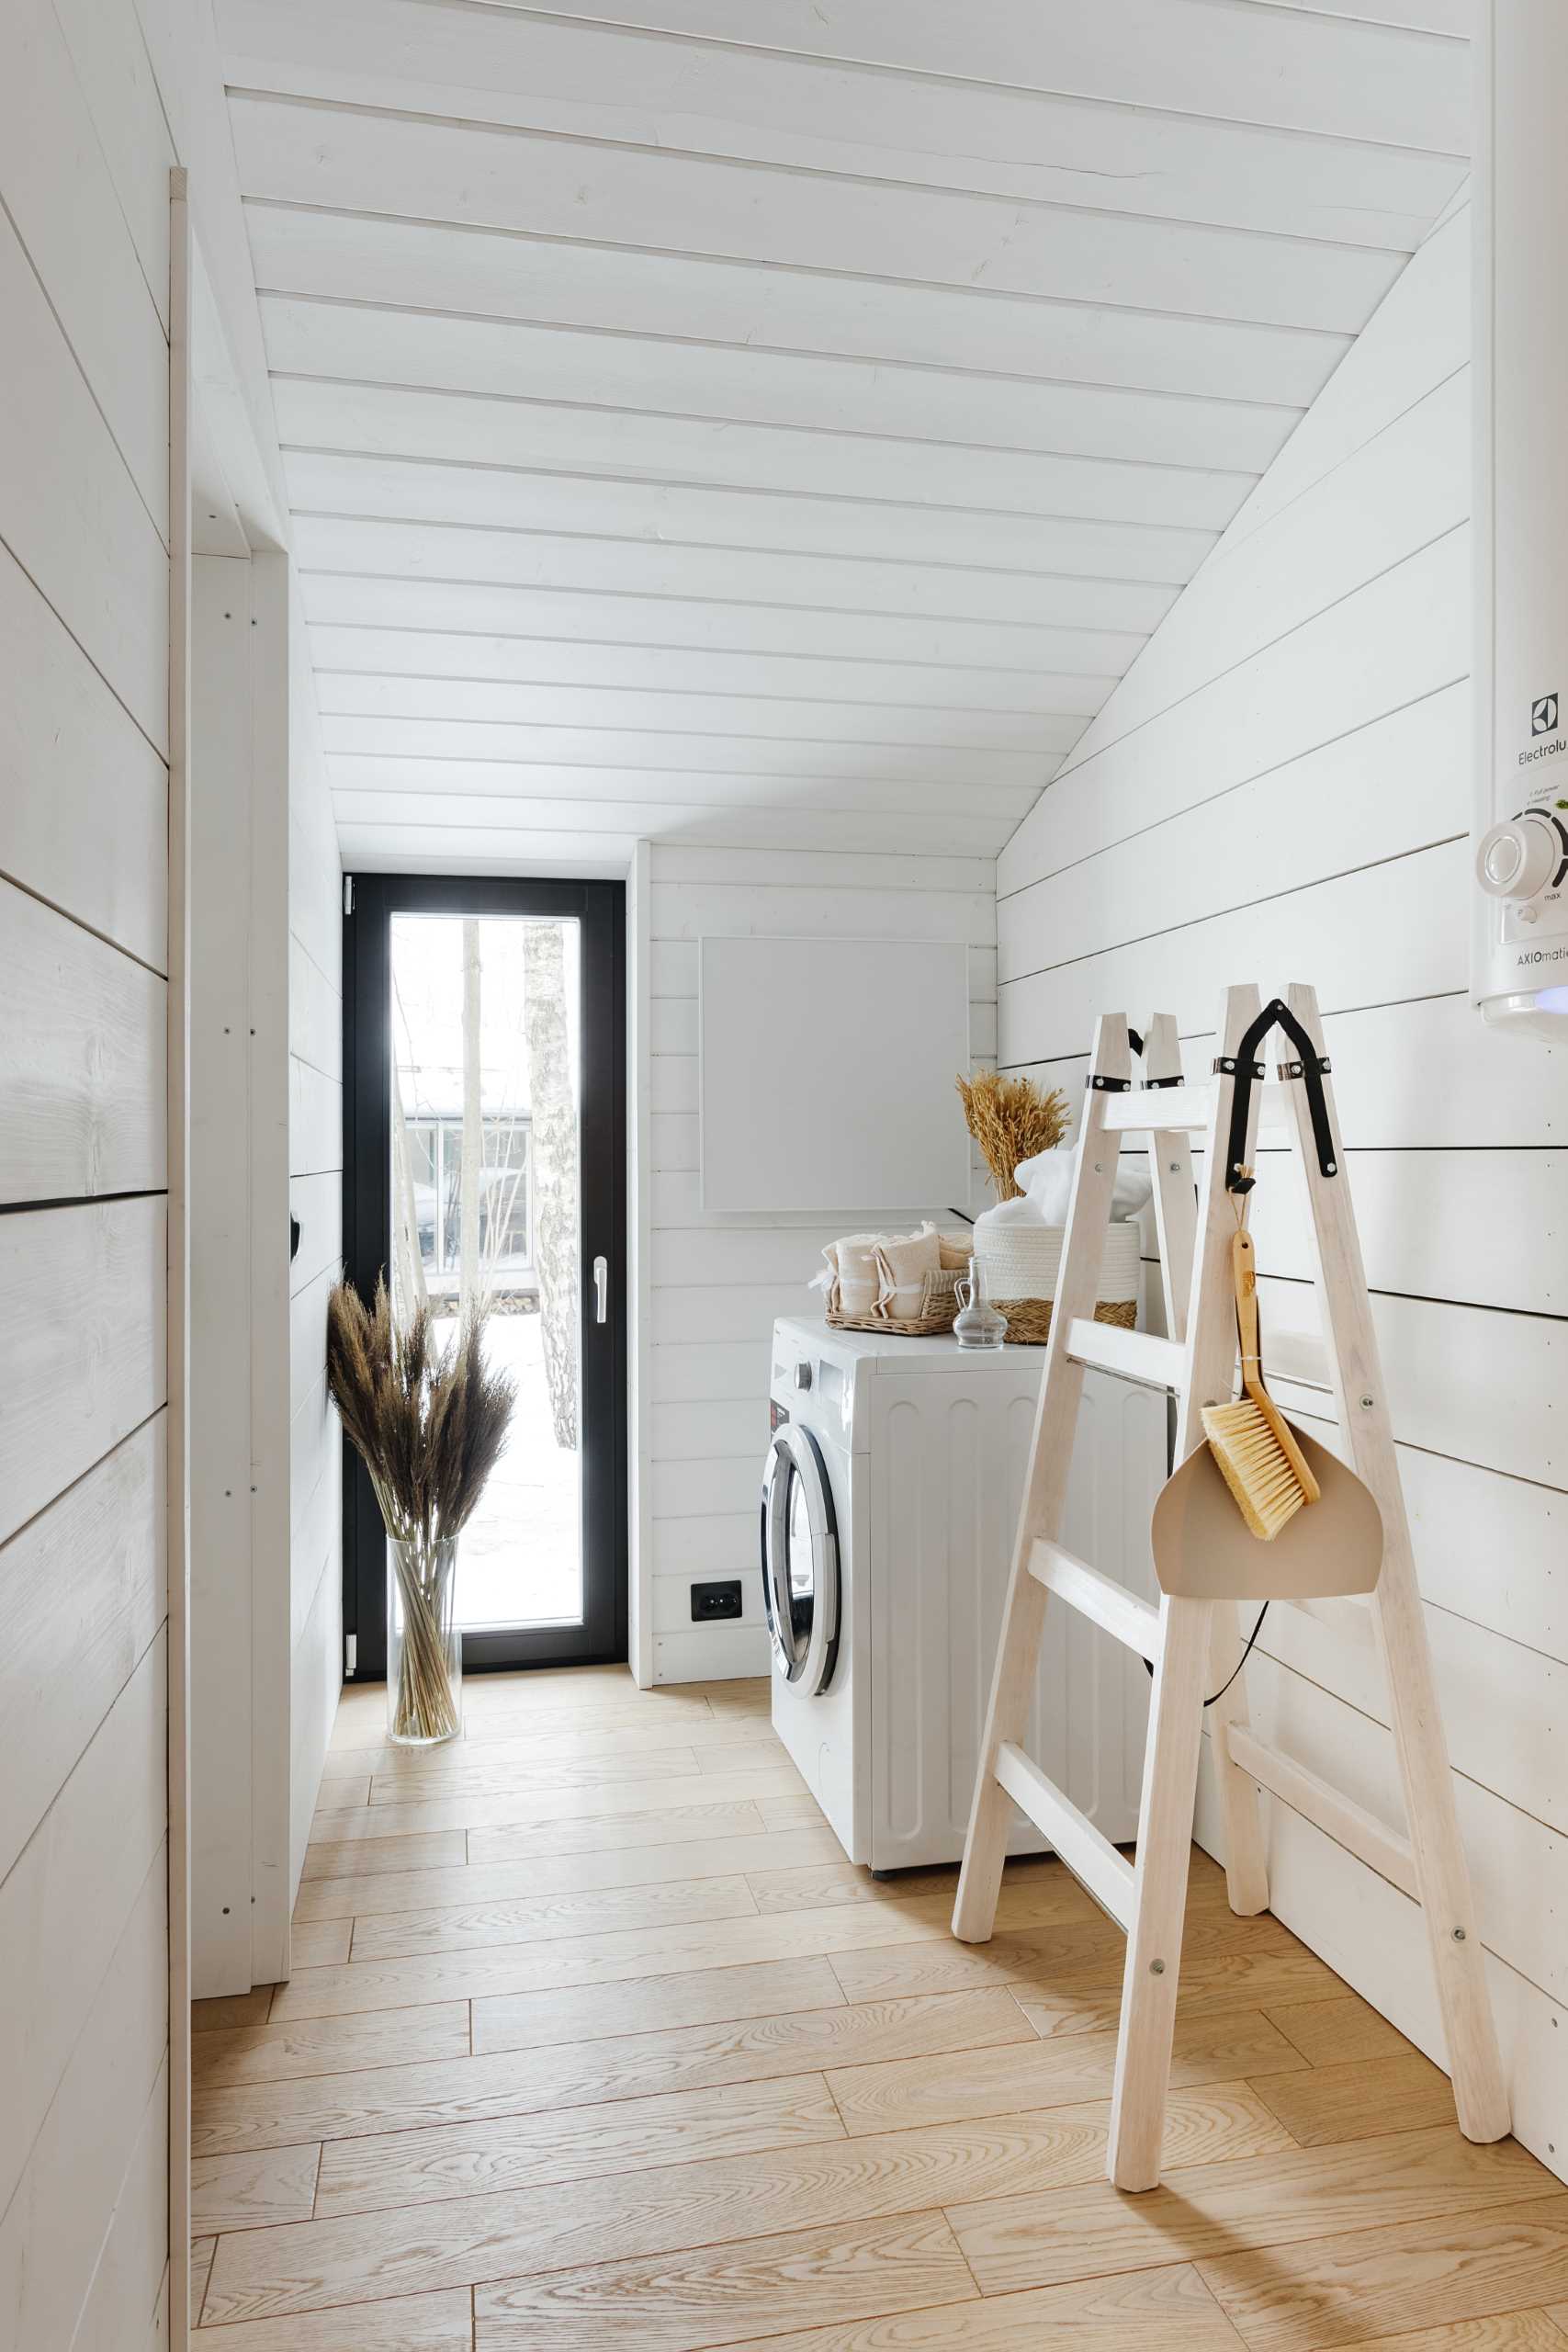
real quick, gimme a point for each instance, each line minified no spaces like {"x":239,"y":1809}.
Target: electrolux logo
{"x":1543,"y":715}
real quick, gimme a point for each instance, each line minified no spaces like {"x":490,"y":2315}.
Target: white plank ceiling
{"x":779,"y":423}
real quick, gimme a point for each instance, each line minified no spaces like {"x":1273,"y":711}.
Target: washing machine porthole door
{"x":800,"y":1560}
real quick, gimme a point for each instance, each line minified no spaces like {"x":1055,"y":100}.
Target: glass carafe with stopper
{"x":977,"y":1323}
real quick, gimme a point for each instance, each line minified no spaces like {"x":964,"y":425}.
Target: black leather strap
{"x":1311,"y":1066}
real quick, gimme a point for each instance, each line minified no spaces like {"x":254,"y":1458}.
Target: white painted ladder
{"x":1188,"y":1642}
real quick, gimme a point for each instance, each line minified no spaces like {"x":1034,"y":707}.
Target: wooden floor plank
{"x":1148,"y":2310}
{"x":725,"y":1762}
{"x":883,"y":1971}
{"x":1337,"y":2029}
{"x":361,"y":1896}
{"x":252,"y":2191}
{"x":343,"y":1793}
{"x":619,"y":1956}
{"x":609,"y":1833}
{"x":319,"y":1943}
{"x":1501,"y":2332}
{"x":202,"y":2253}
{"x":789,"y":1811}
{"x":310,"y":2046}
{"x":441,"y":1850}
{"x":399,"y":2170}
{"x":1090,"y":2000}
{"x":818,"y":1886}
{"x":516,"y":2233}
{"x":628,"y":2066}
{"x":701,"y":1997}
{"x":1282,"y":2200}
{"x":682,"y":2302}
{"x":550,"y":1919}
{"x":412,"y":2324}
{"x":461,"y":1778}
{"x":596,"y":2043}
{"x":229,"y":2009}
{"x":1361,"y":2099}
{"x":1331,"y":2293}
{"x":526,"y":1806}
{"x":1063,"y":2071}
{"x":495,"y":1746}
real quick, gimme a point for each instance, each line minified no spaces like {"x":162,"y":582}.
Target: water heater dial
{"x":1519,"y":859}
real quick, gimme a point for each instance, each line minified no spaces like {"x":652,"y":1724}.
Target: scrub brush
{"x":1258,"y":1457}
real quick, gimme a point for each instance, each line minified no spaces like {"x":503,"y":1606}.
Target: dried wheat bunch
{"x":429,"y":1422}
{"x":1011,"y":1120}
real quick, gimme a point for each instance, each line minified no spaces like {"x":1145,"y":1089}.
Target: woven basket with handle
{"x":1022,"y":1263}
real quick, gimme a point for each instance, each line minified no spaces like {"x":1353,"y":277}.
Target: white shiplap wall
{"x":315,"y":1187}
{"x":716,"y":1282}
{"x":1280,"y":789}
{"x":83,"y":603}
{"x":780,"y":426}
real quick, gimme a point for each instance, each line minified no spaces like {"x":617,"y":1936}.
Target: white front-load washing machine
{"x":890,"y":1499}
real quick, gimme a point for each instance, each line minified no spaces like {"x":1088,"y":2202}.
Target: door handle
{"x":600,"y":1289}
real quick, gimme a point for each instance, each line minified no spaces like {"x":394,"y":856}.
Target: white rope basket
{"x":1024,"y":1262}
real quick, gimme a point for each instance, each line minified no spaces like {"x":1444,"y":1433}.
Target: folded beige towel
{"x":903,"y":1262}
{"x":860,"y":1277}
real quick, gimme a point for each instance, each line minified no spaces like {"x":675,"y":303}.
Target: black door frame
{"x":371,"y":902}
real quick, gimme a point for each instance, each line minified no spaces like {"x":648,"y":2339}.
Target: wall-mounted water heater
{"x":1520,"y":213}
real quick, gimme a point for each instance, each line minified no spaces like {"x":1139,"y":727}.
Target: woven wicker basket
{"x":939,"y":1305}
{"x":1021,"y":1267}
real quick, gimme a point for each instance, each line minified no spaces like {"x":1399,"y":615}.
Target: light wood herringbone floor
{"x":595,"y":2043}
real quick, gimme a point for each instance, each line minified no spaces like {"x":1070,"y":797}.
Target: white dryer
{"x":890,"y":1497}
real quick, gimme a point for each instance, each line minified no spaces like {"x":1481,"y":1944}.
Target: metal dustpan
{"x":1204,"y":1551}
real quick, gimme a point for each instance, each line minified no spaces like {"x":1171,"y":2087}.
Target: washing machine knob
{"x":1518,"y":859}
{"x":802,"y":1375}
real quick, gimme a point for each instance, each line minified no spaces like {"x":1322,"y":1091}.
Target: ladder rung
{"x":1338,"y":1816}
{"x":1164,"y":1109}
{"x":1092,"y":1858}
{"x":1135,"y":1355}
{"x":1158,"y":1108}
{"x":1134,"y":1621}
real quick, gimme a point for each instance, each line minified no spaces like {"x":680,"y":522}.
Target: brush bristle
{"x":1254,"y":1466}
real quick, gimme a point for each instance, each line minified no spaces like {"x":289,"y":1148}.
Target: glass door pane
{"x":485,"y":1118}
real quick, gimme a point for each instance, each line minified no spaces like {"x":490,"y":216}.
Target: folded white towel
{"x":1047,"y":1179}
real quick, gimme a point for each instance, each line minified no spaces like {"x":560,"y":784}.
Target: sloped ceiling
{"x":779,"y":423}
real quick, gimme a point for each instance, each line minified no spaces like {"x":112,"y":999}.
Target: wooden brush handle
{"x":1244,"y":1274}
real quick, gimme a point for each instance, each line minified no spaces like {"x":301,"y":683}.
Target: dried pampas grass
{"x":430,"y":1421}
{"x":1011,"y":1120}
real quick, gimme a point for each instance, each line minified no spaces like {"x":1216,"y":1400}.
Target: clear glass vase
{"x":425,"y":1644}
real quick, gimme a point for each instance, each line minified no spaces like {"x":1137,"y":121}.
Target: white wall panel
{"x":84,"y":1291}
{"x":65,"y":1905}
{"x":431,"y":170}
{"x":81,"y":1061}
{"x":55,"y":2232}
{"x":700,"y":296}
{"x":84,"y":817}
{"x":718,"y":1282}
{"x":315,"y":1165}
{"x":1279,"y":791}
{"x":824,"y":111}
{"x":83,"y":1595}
{"x":70,"y":512}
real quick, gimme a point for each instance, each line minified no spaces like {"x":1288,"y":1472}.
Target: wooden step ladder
{"x":1192,"y":1645}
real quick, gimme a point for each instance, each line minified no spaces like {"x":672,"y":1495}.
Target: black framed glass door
{"x":484,"y":1161}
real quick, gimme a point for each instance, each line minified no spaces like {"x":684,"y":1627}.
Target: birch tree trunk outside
{"x":468,"y":1269}
{"x":553,"y":1109}
{"x":409,"y":1289}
